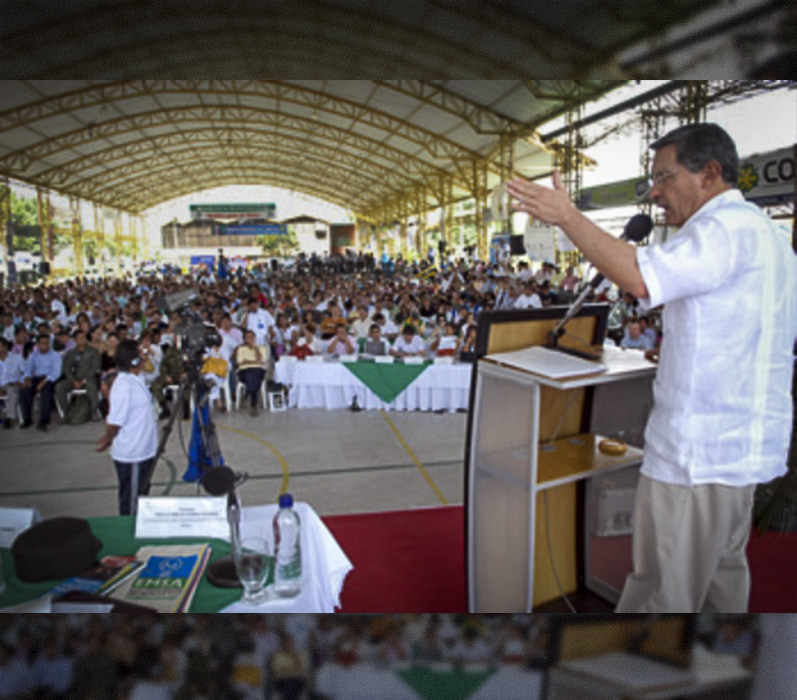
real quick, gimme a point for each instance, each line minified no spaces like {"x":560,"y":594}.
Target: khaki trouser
{"x":689,"y":549}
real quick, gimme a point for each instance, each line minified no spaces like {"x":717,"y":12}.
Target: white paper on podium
{"x":547,"y":362}
{"x":203,"y":516}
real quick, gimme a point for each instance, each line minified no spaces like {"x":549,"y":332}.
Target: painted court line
{"x":286,"y":475}
{"x":415,"y":459}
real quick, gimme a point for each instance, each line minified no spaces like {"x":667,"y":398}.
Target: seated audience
{"x":408,"y":344}
{"x":252,"y":362}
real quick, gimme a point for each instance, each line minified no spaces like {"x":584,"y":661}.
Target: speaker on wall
{"x":44,"y":268}
{"x":516,"y":246}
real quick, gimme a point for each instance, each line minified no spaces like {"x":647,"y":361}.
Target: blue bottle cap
{"x":286,"y":500}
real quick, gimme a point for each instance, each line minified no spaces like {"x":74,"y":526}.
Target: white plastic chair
{"x":75,"y":392}
{"x":240,"y":390}
{"x":225,"y":394}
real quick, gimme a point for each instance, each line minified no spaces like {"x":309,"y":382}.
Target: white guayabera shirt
{"x":723,"y":406}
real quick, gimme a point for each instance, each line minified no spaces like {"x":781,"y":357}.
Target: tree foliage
{"x":280,"y":245}
{"x":23,"y":210}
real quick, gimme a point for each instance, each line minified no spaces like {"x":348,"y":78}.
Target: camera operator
{"x":131,"y":430}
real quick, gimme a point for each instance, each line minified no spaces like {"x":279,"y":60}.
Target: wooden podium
{"x":532,"y":448}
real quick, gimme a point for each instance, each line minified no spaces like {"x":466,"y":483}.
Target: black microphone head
{"x":638,"y":228}
{"x":219,"y":481}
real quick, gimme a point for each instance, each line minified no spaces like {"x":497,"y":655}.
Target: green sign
{"x":232,"y":211}
{"x":613,"y":194}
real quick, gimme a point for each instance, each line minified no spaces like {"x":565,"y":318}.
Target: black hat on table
{"x":55,"y":548}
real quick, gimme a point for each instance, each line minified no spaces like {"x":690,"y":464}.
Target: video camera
{"x":196,"y":336}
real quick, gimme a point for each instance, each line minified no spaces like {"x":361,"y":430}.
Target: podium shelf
{"x":577,"y":457}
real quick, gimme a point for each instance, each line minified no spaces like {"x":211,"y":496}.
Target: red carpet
{"x":404,"y":561}
{"x":773,"y":563}
{"x":414,"y":561}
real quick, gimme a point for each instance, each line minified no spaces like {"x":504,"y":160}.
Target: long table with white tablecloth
{"x":403,"y":682}
{"x":332,"y":385}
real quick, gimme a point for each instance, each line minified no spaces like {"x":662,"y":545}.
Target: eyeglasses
{"x":644,"y":186}
{"x":661,"y":178}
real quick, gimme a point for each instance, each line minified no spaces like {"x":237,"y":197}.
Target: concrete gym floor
{"x":339,"y":462}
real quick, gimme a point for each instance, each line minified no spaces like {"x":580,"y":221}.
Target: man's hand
{"x":41,"y":384}
{"x":104,"y":443}
{"x":553,"y":206}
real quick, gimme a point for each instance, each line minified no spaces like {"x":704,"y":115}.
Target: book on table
{"x":102,"y":577}
{"x":169,"y":577}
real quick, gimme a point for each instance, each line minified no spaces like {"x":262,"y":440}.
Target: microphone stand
{"x":636,"y":229}
{"x":575,"y":307}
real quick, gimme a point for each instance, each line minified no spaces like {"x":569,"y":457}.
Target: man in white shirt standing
{"x":131,"y":430}
{"x":722,"y":416}
{"x":258,"y":321}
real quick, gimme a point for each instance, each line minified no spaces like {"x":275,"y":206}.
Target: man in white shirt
{"x":361,"y":324}
{"x":389,"y":329}
{"x":723,"y":414}
{"x":409,"y":343}
{"x":258,"y":321}
{"x":231,"y":336}
{"x":12,"y":374}
{"x":131,"y":430}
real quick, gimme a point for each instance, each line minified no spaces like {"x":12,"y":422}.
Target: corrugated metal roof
{"x":132,"y":143}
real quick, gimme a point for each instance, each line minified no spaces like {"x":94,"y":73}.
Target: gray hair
{"x":697,"y":144}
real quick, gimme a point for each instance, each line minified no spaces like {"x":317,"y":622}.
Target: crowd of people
{"x":249,"y":657}
{"x":59,"y":341}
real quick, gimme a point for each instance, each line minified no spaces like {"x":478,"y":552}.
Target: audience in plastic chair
{"x":252,"y":361}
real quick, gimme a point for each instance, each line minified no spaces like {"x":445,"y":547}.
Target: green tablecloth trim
{"x":117,"y":536}
{"x":447,"y":685}
{"x":387,"y":381}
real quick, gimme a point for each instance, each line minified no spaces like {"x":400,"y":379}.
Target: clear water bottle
{"x":287,"y":549}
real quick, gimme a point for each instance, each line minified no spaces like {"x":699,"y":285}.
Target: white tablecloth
{"x":359,"y":681}
{"x":330,"y":385}
{"x":324,"y":564}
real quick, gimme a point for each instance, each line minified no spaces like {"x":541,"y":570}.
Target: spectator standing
{"x":258,"y":320}
{"x":131,"y":429}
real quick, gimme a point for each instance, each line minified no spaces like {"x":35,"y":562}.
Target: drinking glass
{"x":252,"y":561}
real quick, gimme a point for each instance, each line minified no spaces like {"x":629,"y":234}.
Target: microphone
{"x":219,"y":481}
{"x":636,"y":229}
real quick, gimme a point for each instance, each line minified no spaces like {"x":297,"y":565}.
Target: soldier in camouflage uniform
{"x":172,"y":371}
{"x":81,"y":371}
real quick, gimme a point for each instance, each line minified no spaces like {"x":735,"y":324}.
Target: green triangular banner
{"x":386,"y":381}
{"x":448,"y":685}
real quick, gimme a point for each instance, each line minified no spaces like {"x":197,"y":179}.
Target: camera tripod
{"x":209,"y":451}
